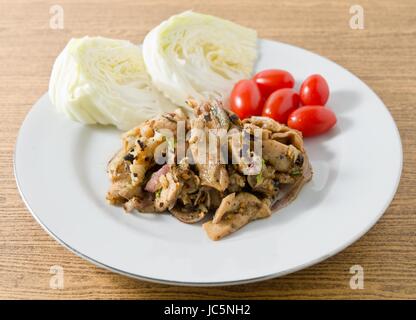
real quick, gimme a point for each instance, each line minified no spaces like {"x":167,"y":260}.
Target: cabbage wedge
{"x":198,"y":56}
{"x":101,"y":80}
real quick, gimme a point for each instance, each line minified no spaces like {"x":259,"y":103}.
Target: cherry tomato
{"x":245,"y":99}
{"x":272,"y":80}
{"x":314,"y":91}
{"x":312,"y":120}
{"x":281,"y":104}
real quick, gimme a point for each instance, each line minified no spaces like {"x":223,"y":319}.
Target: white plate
{"x":60,"y":168}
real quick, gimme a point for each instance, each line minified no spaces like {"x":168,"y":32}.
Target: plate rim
{"x":233,"y":282}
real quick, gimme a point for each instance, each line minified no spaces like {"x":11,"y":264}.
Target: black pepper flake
{"x":234,"y":118}
{"x":135,"y":175}
{"x":146,"y":158}
{"x":141,"y":144}
{"x":207,"y":117}
{"x":129,"y":157}
{"x":161,"y":204}
{"x":169,"y":117}
{"x":299,"y":160}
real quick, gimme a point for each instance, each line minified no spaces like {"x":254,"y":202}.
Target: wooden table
{"x":382,"y":54}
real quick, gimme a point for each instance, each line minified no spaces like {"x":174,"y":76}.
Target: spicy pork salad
{"x":204,"y":139}
{"x":199,"y":184}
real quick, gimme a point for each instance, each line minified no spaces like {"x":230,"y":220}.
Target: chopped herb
{"x":158,"y":192}
{"x":296,"y":172}
{"x":220,"y":115}
{"x":259,"y":178}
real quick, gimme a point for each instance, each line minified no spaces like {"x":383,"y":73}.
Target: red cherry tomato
{"x":245,"y":99}
{"x":272,"y":80}
{"x":314,"y":91}
{"x":281,"y":104}
{"x":312,"y":120}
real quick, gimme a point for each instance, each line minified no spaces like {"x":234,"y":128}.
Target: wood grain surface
{"x":382,"y":54}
